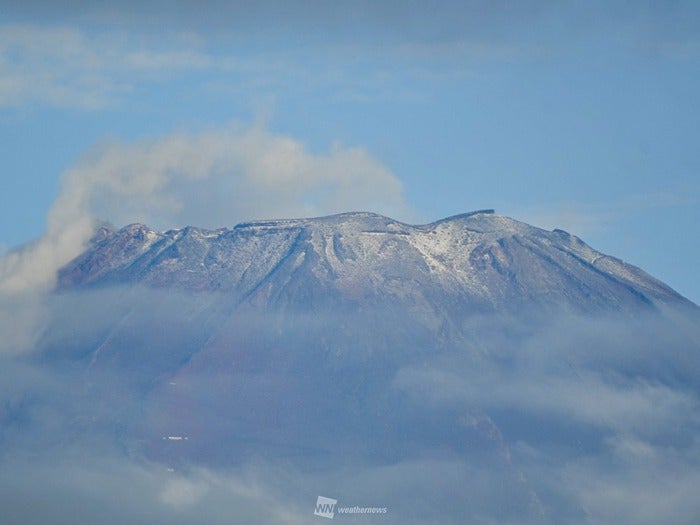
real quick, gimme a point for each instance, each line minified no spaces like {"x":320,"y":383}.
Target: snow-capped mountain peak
{"x":479,"y":260}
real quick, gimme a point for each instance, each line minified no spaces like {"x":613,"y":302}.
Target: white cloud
{"x":22,"y":320}
{"x":637,"y":482}
{"x":114,"y":489}
{"x":595,"y":372}
{"x":212,"y":179}
{"x":610,"y":406}
{"x":220,"y":177}
{"x":181,"y":492}
{"x":582,"y":221}
{"x":592,"y":219}
{"x":68,"y":67}
{"x":585,"y":398}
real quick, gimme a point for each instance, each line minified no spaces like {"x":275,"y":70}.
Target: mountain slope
{"x":477,"y":262}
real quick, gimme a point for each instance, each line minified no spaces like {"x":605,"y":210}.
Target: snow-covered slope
{"x":474,"y":261}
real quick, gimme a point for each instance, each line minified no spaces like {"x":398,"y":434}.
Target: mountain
{"x":476,"y":369}
{"x":477,"y":261}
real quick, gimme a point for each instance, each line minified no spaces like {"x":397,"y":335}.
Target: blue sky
{"x":583,"y":116}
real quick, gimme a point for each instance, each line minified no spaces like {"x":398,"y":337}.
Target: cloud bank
{"x":576,"y":420}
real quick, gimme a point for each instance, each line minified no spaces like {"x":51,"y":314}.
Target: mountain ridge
{"x":482,"y":259}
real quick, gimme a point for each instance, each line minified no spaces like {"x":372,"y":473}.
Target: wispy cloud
{"x":579,"y":220}
{"x":587,"y":398}
{"x":64,"y":66}
{"x":87,"y":58}
{"x":72,"y":67}
{"x":590,"y":219}
{"x":610,"y":409}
